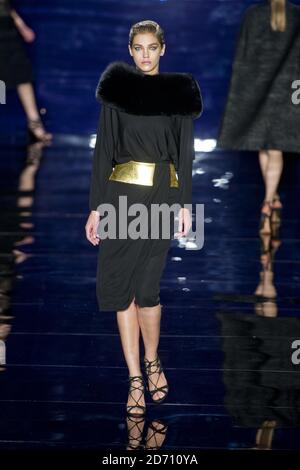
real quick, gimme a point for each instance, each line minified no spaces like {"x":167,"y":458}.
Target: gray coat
{"x":259,"y":112}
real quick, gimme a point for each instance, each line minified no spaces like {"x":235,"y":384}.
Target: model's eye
{"x":153,"y":48}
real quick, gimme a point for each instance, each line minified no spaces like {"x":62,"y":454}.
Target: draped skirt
{"x":130,"y":269}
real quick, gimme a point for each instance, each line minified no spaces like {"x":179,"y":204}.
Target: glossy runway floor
{"x":228,"y":353}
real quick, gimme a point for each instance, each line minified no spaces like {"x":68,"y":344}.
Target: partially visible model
{"x":15,"y":67}
{"x":260,"y":114}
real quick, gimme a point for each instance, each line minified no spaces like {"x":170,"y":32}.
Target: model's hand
{"x":184,"y":223}
{"x":91,"y":227}
{"x":27,"y":33}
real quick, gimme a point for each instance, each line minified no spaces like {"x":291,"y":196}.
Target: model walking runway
{"x":123,"y":343}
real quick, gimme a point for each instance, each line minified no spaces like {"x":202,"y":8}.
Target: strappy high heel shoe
{"x":156,"y":435}
{"x":135,"y":428}
{"x":136,"y":383}
{"x":265,"y":435}
{"x":156,"y":364}
{"x":276,"y":211}
{"x":37,"y":130}
{"x":265,"y":219}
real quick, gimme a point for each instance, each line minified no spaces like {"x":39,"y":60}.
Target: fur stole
{"x":125,"y":87}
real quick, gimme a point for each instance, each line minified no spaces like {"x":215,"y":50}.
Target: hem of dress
{"x":107,"y":307}
{"x":13,"y":85}
{"x":257,"y":148}
{"x":111,"y":308}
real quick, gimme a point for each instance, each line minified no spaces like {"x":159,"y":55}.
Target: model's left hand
{"x":28,"y":34}
{"x":184,"y":223}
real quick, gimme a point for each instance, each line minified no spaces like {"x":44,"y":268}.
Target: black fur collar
{"x":123,"y":86}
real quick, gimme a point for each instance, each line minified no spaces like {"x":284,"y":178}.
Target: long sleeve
{"x":185,"y":160}
{"x":103,"y":155}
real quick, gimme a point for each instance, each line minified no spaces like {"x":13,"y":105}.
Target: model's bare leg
{"x":273,"y":173}
{"x":130,"y":334}
{"x":27,"y":98}
{"x":149,"y":320}
{"x":263,"y":162}
{"x":271,"y":163}
{"x":268,"y":159}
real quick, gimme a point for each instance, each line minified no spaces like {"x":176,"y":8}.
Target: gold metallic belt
{"x":140,"y":173}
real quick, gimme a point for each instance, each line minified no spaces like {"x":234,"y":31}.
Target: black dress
{"x":138,"y":122}
{"x":259,"y":112}
{"x":15,"y":66}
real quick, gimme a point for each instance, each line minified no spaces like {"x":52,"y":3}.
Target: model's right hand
{"x":91,"y":227}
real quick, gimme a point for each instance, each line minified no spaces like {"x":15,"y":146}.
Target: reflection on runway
{"x":16,"y":234}
{"x":230,"y":314}
{"x":262,"y":383}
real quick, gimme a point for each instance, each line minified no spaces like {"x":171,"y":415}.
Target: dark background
{"x":76,"y":39}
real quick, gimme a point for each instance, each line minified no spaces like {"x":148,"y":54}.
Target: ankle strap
{"x":34,"y":123}
{"x":155,"y":361}
{"x":132,"y":378}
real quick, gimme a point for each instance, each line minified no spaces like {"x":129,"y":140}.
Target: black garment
{"x":123,"y":136}
{"x":5,"y":7}
{"x":259,"y":112}
{"x":130,"y":268}
{"x":15,"y":66}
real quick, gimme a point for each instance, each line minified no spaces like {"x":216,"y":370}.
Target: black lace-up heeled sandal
{"x":276,"y":211}
{"x":157,"y":431}
{"x":265,"y":219}
{"x":37,"y":131}
{"x":151,"y":368}
{"x":135,"y":428}
{"x":136,"y":383}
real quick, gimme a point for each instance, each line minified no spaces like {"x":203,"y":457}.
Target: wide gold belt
{"x":140,"y":173}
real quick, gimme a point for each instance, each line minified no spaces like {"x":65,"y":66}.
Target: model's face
{"x":146,"y":52}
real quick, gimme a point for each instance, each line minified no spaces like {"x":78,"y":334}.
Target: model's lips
{"x":146,"y":62}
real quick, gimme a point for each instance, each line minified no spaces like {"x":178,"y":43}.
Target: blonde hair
{"x":147,"y":26}
{"x":278,"y":15}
